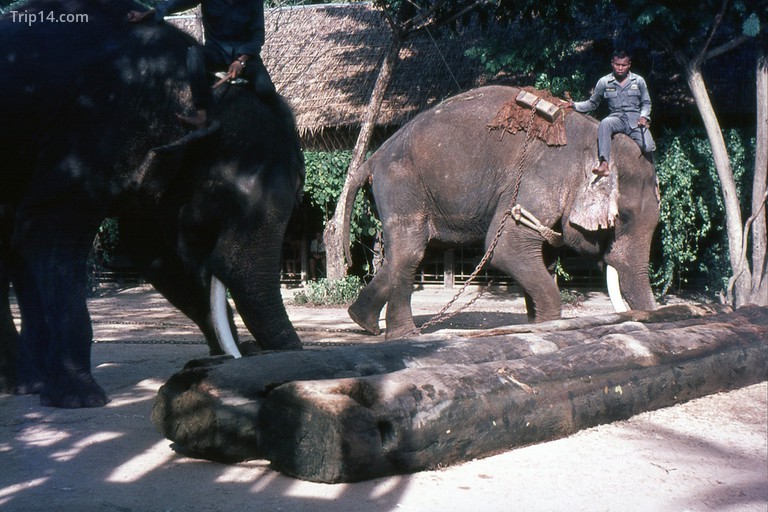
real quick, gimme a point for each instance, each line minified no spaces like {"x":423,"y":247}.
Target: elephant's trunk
{"x":630,"y":288}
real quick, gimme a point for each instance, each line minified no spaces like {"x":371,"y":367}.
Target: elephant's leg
{"x":524,"y":260}
{"x":62,"y":285}
{"x":367,"y":307}
{"x":34,"y":337}
{"x":405,"y":248}
{"x":393,"y":284}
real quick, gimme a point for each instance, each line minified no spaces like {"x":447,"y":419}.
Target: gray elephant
{"x":88,"y":129}
{"x":444,"y":177}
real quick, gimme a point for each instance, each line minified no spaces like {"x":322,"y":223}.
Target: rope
{"x":442,"y":57}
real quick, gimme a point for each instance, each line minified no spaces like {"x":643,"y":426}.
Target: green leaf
{"x":751,"y":26}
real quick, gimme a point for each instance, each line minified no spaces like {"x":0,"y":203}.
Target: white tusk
{"x":221,"y":319}
{"x":614,"y":292}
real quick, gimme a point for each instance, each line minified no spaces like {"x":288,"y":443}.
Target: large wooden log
{"x":359,"y":412}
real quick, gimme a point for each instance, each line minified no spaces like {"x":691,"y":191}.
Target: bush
{"x":692,"y":221}
{"x":326,"y":172}
{"x":102,"y":251}
{"x":329,"y":293}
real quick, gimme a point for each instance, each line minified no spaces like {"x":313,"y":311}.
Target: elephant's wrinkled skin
{"x":445,"y":177}
{"x":88,"y":130}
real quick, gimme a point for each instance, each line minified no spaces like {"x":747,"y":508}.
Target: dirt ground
{"x":709,"y":454}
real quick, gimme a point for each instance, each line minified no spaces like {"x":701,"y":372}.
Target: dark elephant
{"x":88,"y":129}
{"x":444,"y":177}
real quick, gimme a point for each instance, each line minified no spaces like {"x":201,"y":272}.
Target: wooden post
{"x":449,"y":278}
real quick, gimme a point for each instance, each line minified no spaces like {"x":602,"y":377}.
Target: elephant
{"x":88,"y":130}
{"x":445,"y":178}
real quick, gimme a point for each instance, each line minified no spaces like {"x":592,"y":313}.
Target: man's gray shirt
{"x":631,"y":100}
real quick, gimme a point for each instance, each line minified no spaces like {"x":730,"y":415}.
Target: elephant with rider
{"x":445,"y":177}
{"x":89,"y":129}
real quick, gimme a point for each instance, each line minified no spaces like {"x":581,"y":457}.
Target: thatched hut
{"x":325,"y":59}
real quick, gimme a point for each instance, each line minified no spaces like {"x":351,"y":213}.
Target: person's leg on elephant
{"x":608,"y":127}
{"x":257,"y":75}
{"x":642,"y":137}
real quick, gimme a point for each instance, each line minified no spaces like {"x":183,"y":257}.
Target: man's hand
{"x":237,"y":67}
{"x":137,"y":16}
{"x":643,"y":122}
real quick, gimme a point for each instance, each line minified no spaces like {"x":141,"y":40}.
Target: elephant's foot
{"x":28,"y":388}
{"x":364,"y":318}
{"x":395,"y":332}
{"x":287,"y":340}
{"x":73,"y":390}
{"x":8,"y":383}
{"x":538,"y":318}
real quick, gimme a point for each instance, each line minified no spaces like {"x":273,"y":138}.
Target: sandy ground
{"x":709,"y":454}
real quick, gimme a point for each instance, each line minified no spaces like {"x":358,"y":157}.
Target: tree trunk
{"x":364,"y":411}
{"x":759,"y":185}
{"x":336,"y":266}
{"x":734,"y":225}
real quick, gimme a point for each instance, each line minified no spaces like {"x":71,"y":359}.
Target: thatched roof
{"x":325,"y":59}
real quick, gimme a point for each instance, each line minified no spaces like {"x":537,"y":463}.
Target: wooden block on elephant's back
{"x":328,"y":421}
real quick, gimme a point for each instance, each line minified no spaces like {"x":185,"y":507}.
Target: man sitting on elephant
{"x":234,"y":35}
{"x":630,"y":107}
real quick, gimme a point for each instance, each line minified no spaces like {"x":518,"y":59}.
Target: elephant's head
{"x":618,"y":232}
{"x":223,"y":197}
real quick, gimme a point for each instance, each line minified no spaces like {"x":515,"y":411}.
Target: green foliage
{"x":693,"y":237}
{"x":326,"y":172}
{"x":686,"y":29}
{"x":102,"y":251}
{"x":10,"y":5}
{"x":559,"y":85}
{"x":549,"y":45}
{"x":329,"y":293}
{"x":572,"y":297}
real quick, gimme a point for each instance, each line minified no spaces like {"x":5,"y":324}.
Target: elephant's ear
{"x":162,"y":164}
{"x":596,"y":206}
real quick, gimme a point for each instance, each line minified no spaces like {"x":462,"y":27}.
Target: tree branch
{"x":701,"y":57}
{"x":438,"y":23}
{"x":726,"y":47}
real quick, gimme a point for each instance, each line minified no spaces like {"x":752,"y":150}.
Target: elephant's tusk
{"x":220,"y":318}
{"x":614,"y":292}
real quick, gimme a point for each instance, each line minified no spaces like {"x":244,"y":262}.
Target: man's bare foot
{"x":602,"y":169}
{"x":198,"y":121}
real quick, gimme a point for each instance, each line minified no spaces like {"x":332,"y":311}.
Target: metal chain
{"x":442,"y":315}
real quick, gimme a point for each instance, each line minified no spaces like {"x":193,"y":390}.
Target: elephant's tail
{"x":356,"y":181}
